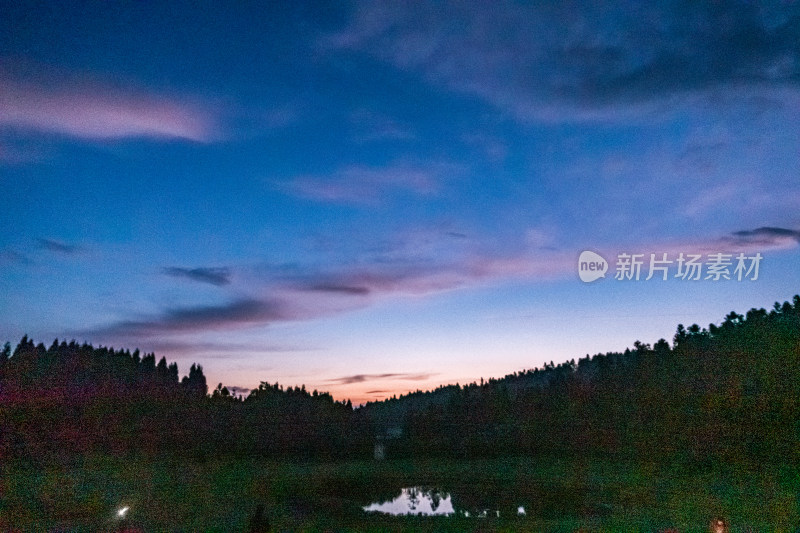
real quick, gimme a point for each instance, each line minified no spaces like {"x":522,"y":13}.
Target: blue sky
{"x":375,"y":197}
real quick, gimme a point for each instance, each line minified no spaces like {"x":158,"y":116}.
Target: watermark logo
{"x":663,"y":266}
{"x":591,"y":266}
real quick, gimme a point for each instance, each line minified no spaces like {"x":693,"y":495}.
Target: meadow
{"x":557,"y":494}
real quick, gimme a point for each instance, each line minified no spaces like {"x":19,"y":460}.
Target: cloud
{"x":337,"y":289}
{"x":239,"y":313}
{"x":59,"y":247}
{"x":214,"y":276}
{"x":424,"y":276}
{"x":60,"y":103}
{"x":310,"y":293}
{"x":533,"y":262}
{"x":580,"y":60}
{"x":769,"y":232}
{"x":361,"y":378}
{"x":216,"y":350}
{"x":718,"y":195}
{"x":370,"y":185}
{"x":767,"y":237}
{"x":763,"y":239}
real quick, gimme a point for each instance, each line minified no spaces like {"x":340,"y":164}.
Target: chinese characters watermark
{"x":663,"y":266}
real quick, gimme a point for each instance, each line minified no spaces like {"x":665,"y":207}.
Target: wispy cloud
{"x":765,"y":239}
{"x":213,"y":275}
{"x":580,"y":60}
{"x":532,"y":262}
{"x":361,"y":378}
{"x":370,"y":185}
{"x":60,"y":103}
{"x":59,"y":247}
{"x":310,"y":293}
{"x":236,"y":314}
{"x":425,"y":278}
{"x":768,"y":237}
{"x":216,"y":349}
{"x":333,"y":288}
{"x":715,"y":196}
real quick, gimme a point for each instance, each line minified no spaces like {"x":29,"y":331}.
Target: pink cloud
{"x":92,"y":110}
{"x":764,"y":239}
{"x":358,"y":287}
{"x":313,"y":294}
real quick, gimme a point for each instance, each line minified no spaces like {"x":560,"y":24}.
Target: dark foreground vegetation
{"x":663,"y":436}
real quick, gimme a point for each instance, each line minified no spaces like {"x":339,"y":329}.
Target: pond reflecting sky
{"x":416,"y":500}
{"x":428,"y":502}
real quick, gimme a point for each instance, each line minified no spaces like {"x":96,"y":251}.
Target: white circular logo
{"x":591,"y":266}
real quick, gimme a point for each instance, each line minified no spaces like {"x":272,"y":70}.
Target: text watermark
{"x":662,"y":266}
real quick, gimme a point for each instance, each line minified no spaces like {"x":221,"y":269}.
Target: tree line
{"x":73,"y":399}
{"x":728,"y":392}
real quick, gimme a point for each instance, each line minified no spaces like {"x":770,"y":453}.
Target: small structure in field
{"x":380,"y":450}
{"x":382,"y":441}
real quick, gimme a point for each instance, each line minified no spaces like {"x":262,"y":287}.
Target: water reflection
{"x":416,"y":500}
{"x":429,"y":502}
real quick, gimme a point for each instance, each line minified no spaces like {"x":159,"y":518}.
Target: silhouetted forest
{"x":729,"y":392}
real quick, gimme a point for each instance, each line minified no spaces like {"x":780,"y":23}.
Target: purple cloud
{"x":57,"y":103}
{"x":217,"y":350}
{"x":535,"y":262}
{"x":361,"y":378}
{"x":236,"y":314}
{"x":214,"y":276}
{"x":767,"y":237}
{"x":313,"y":293}
{"x":333,"y":288}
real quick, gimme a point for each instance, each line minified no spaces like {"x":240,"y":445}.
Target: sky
{"x":370,"y":198}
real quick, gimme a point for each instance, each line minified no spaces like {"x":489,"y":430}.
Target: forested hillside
{"x":729,"y":392}
{"x":73,"y":399}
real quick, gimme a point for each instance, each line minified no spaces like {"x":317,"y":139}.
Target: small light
{"x":122,"y":512}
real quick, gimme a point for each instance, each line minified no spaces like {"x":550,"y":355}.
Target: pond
{"x":428,"y":501}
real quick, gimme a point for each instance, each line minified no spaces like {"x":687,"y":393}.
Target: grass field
{"x":558,"y":495}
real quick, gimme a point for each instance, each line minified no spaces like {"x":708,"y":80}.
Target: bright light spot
{"x":122,"y":512}
{"x":520,"y":510}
